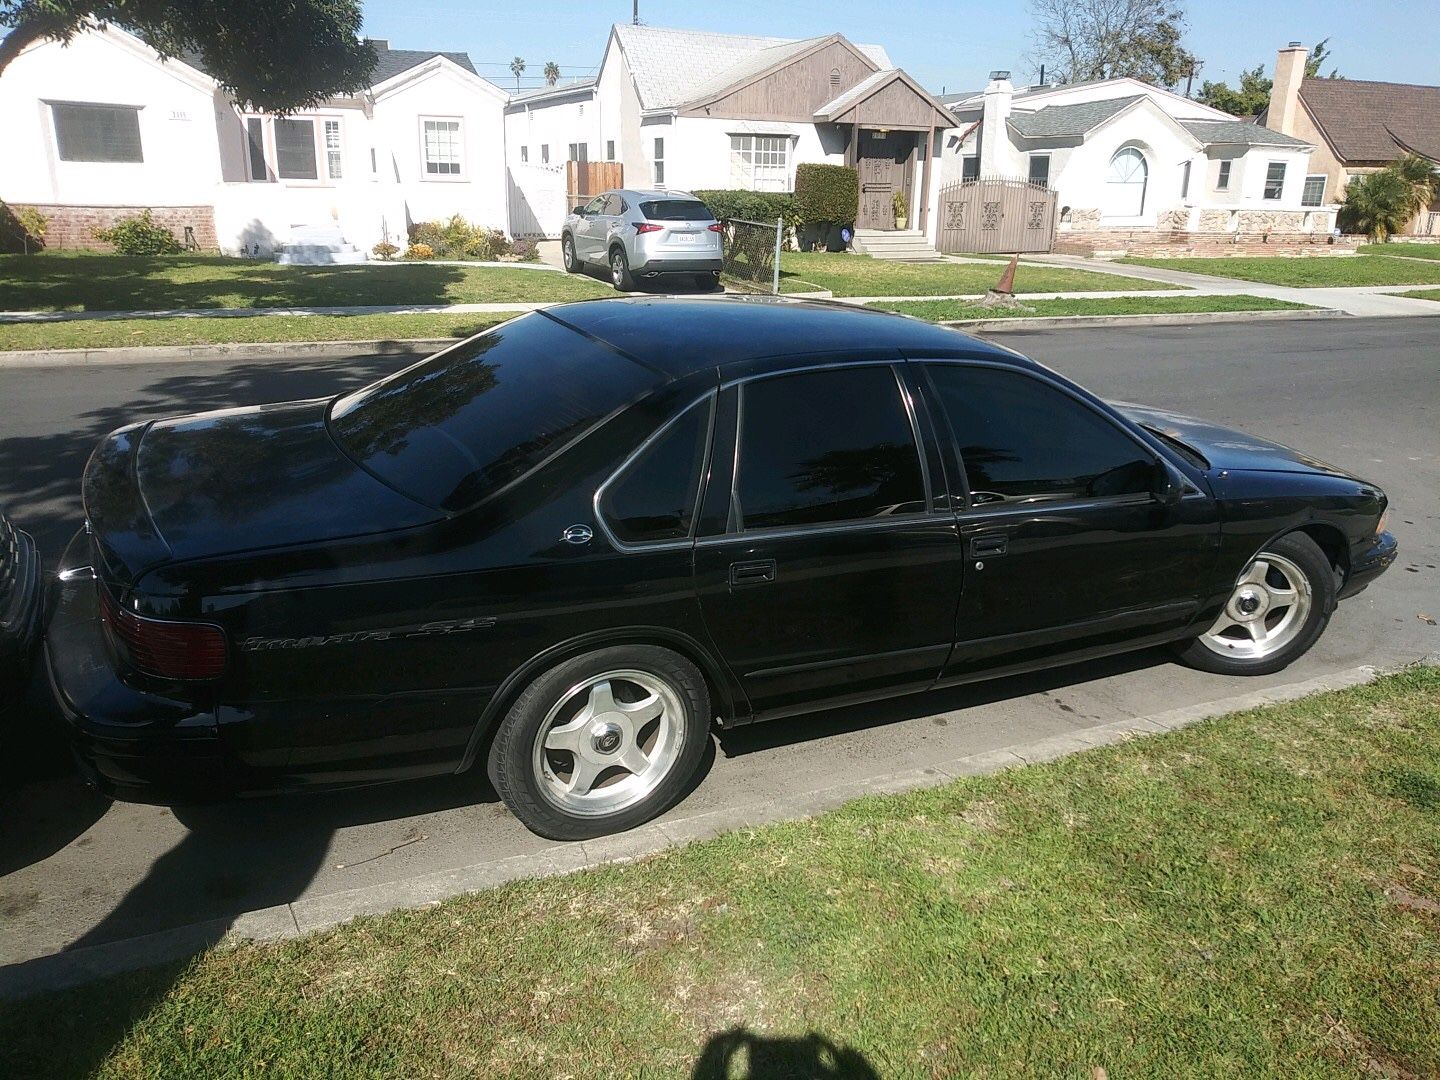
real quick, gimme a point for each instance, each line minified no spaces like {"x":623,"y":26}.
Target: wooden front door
{"x":884,"y":169}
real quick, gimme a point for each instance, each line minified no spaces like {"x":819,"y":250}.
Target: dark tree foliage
{"x":1253,"y":96}
{"x":276,"y":55}
{"x":1080,"y":40}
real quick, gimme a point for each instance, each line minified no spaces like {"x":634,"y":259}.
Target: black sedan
{"x":566,"y":546}
{"x":21,"y":603}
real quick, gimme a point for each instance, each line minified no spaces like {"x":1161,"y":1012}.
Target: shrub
{"x":22,"y":230}
{"x":525,"y":251}
{"x":729,"y":204}
{"x":385,"y":250}
{"x":827,"y":193}
{"x":458,"y":239}
{"x":1381,"y":204}
{"x":419,"y":251}
{"x":139,"y":235}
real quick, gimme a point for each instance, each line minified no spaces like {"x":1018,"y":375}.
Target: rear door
{"x":1069,"y":545}
{"x":828,"y":565}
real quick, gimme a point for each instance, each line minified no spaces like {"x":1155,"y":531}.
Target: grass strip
{"x":1253,"y":895}
{"x":860,"y":275}
{"x":1403,"y":251}
{"x":1307,"y":272}
{"x":947,"y":310}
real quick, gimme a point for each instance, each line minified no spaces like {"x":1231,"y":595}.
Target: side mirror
{"x":1168,"y":488}
{"x":579,"y":210}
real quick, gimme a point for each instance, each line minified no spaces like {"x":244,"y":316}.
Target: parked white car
{"x":644,"y":234}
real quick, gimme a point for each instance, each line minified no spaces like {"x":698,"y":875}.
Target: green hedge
{"x":730,"y":204}
{"x":827,"y":193}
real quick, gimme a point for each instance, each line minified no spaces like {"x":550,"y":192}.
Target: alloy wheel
{"x":609,"y":742}
{"x":617,"y":269}
{"x":1266,"y":611}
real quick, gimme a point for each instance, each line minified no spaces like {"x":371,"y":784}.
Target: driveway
{"x":77,"y":871}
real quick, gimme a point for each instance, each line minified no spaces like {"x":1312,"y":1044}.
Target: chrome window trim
{"x":852,"y":525}
{"x":598,"y":498}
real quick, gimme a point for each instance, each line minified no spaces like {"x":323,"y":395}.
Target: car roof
{"x":680,"y":335}
{"x":649,"y":193}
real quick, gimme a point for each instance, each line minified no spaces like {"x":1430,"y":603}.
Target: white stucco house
{"x":102,"y":127}
{"x":1127,"y":159}
{"x":688,"y":109}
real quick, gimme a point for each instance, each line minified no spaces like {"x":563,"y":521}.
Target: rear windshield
{"x":676,"y":210}
{"x":457,"y":428}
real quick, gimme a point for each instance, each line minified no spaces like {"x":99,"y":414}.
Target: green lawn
{"x":1422,"y":294}
{"x":860,"y":275}
{"x":945,"y":310}
{"x":199,"y":330}
{"x":90,"y":282}
{"x":1252,"y":896}
{"x":1408,"y":251}
{"x":1307,"y":271}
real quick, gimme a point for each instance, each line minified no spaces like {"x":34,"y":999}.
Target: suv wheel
{"x":602,"y":743}
{"x":1278,"y":609}
{"x":567,"y":254}
{"x":620,"y":270}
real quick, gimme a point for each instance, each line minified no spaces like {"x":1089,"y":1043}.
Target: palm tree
{"x":1379,"y":204}
{"x":552,"y":73}
{"x":1420,"y":173}
{"x":517,"y":68}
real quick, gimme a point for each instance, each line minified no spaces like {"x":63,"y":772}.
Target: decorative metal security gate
{"x":995,"y":216}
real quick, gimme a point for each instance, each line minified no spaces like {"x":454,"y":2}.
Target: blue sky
{"x":945,"y":44}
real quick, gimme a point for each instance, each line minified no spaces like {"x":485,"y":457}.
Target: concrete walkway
{"x":1365,"y":300}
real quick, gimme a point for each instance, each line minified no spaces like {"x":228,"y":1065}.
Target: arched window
{"x":1125,"y":184}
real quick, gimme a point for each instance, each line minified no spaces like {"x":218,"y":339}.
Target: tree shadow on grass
{"x":741,"y":1054}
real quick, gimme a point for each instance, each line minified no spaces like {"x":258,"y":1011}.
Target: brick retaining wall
{"x":74,"y":226}
{"x":1160,"y":243}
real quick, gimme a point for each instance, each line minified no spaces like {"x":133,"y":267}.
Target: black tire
{"x":1324,"y":584}
{"x":511,"y":764}
{"x":620,"y":270}
{"x":568,"y":256}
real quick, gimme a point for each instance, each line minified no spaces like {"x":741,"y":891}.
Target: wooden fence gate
{"x":996,"y":216}
{"x":586,"y":178}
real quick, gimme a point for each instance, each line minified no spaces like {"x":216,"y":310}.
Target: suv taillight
{"x":188,"y":651}
{"x":717,"y":227}
{"x":645,"y":226}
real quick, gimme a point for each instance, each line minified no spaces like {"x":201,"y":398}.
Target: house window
{"x":609,"y":149}
{"x":255,"y":144}
{"x":1314,"y":193}
{"x":760,"y":162}
{"x":580,"y":152}
{"x":544,"y":153}
{"x":1040,"y":170}
{"x":524,"y":154}
{"x":970,"y":168}
{"x":1275,"y":181}
{"x":1222,"y":182}
{"x":442,"y":148}
{"x":1125,"y":185}
{"x":1185,"y":180}
{"x":98,"y":133}
{"x":295,"y":150}
{"x":659,"y":161}
{"x":332,"y":149}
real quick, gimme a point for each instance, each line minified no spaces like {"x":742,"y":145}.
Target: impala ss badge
{"x":398,"y":633}
{"x":578,"y":534}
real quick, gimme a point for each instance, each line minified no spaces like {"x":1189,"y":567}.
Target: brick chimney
{"x":1285,"y":95}
{"x":993,"y":135}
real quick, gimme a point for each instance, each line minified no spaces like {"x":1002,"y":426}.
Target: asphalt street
{"x":75,"y":870}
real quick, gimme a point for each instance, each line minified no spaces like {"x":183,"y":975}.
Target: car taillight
{"x":189,"y":651}
{"x":645,"y":226}
{"x":717,"y":227}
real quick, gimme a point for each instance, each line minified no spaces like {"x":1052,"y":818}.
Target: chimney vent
{"x":1295,"y":45}
{"x":995,"y":75}
{"x":381,"y":44}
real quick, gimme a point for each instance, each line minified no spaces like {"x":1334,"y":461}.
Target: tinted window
{"x":97,"y":132}
{"x":654,"y":499}
{"x":614,"y":205}
{"x":458,"y":427}
{"x":826,"y":446}
{"x":1021,"y":439}
{"x":676,"y":210}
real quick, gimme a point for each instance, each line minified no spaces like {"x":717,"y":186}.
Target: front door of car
{"x":590,"y":237}
{"x":1078,"y":537}
{"x":828,"y":569}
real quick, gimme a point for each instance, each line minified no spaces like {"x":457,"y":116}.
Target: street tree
{"x":1079,"y":40}
{"x":275,"y":55}
{"x":517,"y":68}
{"x":552,"y":73}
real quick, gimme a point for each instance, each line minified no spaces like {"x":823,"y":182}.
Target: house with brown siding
{"x":1356,"y":126}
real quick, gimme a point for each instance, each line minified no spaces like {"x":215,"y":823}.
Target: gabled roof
{"x":584,"y":86}
{"x":1374,"y":121}
{"x":675,"y":67}
{"x":1238,"y":133}
{"x":1060,"y":120}
{"x":391,"y":62}
{"x":837,"y":107}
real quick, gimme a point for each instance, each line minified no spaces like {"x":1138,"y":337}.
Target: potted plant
{"x":902,"y":210}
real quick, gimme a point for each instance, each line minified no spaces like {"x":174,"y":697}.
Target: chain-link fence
{"x":752,"y":253}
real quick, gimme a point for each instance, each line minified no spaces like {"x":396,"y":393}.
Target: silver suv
{"x":643,"y":234}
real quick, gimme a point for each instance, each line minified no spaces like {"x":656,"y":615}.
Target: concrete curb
{"x":1055,"y":322}
{"x":65,"y":969}
{"x":340,"y":350}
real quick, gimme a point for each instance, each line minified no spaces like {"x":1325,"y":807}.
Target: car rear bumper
{"x":1369,"y":563}
{"x":20,"y":619}
{"x":659,"y":264}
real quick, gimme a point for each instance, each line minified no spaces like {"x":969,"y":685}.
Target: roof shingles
{"x":1375,"y":121}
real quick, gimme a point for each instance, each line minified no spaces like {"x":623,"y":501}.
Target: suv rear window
{"x":457,"y":428}
{"x":676,"y":210}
